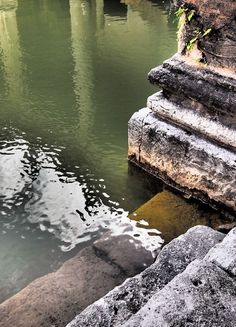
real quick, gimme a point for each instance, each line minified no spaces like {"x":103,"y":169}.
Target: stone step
{"x":197,"y":121}
{"x":203,"y":295}
{"x":127,"y":299}
{"x":186,"y":161}
{"x":212,"y":89}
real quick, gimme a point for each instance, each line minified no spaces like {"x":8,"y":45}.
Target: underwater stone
{"x":55,"y":299}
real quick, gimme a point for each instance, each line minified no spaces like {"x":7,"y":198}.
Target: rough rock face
{"x":203,"y":295}
{"x":54,"y":300}
{"x":187,"y":133}
{"x":219,"y":128}
{"x":124,"y":301}
{"x":206,"y":90}
{"x":216,"y":12}
{"x":218,"y":45}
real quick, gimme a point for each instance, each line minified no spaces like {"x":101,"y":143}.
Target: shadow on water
{"x":115,"y":8}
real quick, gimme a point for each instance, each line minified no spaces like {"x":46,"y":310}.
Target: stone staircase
{"x":191,"y":283}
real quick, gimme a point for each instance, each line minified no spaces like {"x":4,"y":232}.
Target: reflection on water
{"x":71,"y":74}
{"x":10,"y":48}
{"x":115,"y":9}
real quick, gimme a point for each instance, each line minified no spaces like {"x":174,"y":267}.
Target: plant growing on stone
{"x":198,"y":35}
{"x":184,"y":15}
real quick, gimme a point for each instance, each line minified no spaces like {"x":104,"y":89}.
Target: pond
{"x":72,"y":72}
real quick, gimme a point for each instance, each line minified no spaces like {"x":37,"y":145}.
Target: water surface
{"x":72,"y":72}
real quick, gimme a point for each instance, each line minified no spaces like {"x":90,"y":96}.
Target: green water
{"x":72,"y":72}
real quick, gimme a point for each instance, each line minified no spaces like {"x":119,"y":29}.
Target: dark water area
{"x":71,"y":75}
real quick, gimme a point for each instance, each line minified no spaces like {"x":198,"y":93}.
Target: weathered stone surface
{"x":198,"y":96}
{"x":203,"y":295}
{"x":216,"y":12}
{"x":226,"y":228}
{"x":210,"y":26}
{"x":215,"y":91}
{"x":224,"y":254}
{"x":197,"y":121}
{"x":56,"y":298}
{"x":179,"y":157}
{"x":124,"y":301}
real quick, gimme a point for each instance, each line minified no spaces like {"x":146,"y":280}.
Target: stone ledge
{"x":183,"y":159}
{"x":196,"y":121}
{"x":211,"y":89}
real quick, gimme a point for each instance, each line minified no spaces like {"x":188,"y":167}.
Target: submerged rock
{"x":54,"y":300}
{"x":173,"y":215}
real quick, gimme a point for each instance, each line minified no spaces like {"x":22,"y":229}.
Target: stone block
{"x":194,"y":119}
{"x":184,"y":160}
{"x":203,"y":295}
{"x":224,"y":254}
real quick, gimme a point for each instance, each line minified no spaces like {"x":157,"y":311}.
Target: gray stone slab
{"x":224,"y":254}
{"x":125,"y":300}
{"x":203,"y":295}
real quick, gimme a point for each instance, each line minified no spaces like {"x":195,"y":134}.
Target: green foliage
{"x":180,"y":11}
{"x":185,"y":16}
{"x":208,"y":31}
{"x":198,"y":35}
{"x":191,"y":43}
{"x":190,"y":15}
